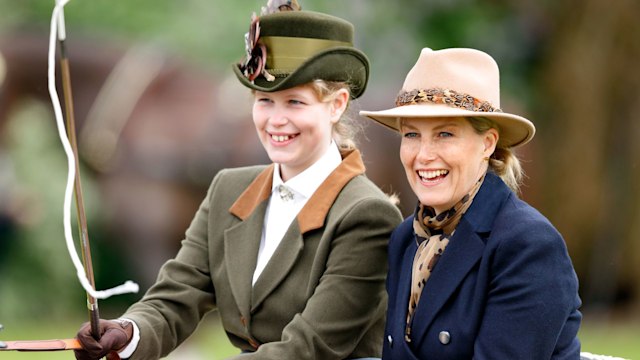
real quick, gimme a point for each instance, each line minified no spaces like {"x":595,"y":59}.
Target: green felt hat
{"x":290,"y":48}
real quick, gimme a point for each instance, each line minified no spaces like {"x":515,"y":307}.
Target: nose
{"x":427,"y":151}
{"x":278,"y":118}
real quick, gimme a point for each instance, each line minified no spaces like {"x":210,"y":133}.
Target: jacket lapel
{"x":243,"y":240}
{"x":463,"y":252}
{"x":404,"y":288}
{"x":279,"y":266}
{"x":312,"y":216}
{"x":241,"y":244}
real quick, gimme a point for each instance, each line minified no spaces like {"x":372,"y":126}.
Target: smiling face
{"x":295,"y":126}
{"x":443,"y":158}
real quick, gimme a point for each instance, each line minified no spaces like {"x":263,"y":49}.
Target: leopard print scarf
{"x":432,"y":234}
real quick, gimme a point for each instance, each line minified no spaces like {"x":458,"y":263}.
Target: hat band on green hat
{"x":294,"y":51}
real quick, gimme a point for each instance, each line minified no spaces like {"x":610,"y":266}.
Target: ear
{"x":490,"y":141}
{"x":339,"y":104}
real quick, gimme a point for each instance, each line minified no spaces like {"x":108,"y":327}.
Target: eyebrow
{"x":403,"y":124}
{"x":446,"y":125}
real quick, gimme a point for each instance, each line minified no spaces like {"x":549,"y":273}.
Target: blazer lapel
{"x":279,"y":266}
{"x":241,"y":244}
{"x":314,"y":213}
{"x":404,"y":287}
{"x":463,"y":252}
{"x":243,"y":240}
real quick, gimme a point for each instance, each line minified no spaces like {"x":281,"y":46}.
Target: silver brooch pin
{"x":285,"y":193}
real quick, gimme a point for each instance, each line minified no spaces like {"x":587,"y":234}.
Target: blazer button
{"x":390,"y":340}
{"x":444,"y":337}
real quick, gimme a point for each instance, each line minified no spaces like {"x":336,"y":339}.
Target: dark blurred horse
{"x":152,"y":128}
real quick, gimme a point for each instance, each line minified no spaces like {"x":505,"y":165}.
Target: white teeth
{"x":281,"y":138}
{"x":431,"y":174}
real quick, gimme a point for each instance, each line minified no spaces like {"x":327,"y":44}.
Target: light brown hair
{"x":503,"y":161}
{"x":345,"y":130}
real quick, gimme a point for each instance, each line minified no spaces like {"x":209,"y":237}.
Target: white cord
{"x":57,"y":23}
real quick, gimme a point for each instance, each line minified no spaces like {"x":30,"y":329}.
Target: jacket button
{"x":444,"y":337}
{"x":390,"y":340}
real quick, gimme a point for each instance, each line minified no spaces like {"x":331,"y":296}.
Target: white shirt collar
{"x":308,"y":181}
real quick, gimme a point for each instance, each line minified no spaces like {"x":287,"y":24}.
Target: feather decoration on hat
{"x":255,"y":62}
{"x":274,"y":6}
{"x":256,"y":58}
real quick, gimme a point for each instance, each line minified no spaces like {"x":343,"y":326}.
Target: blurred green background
{"x":159,"y":113}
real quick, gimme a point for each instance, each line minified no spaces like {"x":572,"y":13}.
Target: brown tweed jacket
{"x":321,"y":296}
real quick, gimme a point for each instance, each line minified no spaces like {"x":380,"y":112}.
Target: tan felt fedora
{"x":455,"y":82}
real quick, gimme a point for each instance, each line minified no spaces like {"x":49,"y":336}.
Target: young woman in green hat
{"x":292,"y":255}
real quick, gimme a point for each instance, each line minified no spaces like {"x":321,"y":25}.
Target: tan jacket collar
{"x":315,"y":211}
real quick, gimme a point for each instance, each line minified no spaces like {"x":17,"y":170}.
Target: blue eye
{"x":410,"y":135}
{"x":445,"y":134}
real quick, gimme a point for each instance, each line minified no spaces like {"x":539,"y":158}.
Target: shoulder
{"x":515,"y":231}
{"x":231,"y":182}
{"x":360,"y":191}
{"x":512,"y":229}
{"x":497,"y":211}
{"x":363,"y":183}
{"x":247,"y":173}
{"x":239,"y":177}
{"x":521,"y":222}
{"x":524,"y":238}
{"x":361,"y":200}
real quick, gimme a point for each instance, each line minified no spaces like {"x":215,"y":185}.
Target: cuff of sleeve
{"x":133,"y":345}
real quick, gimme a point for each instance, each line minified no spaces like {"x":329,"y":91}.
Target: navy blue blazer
{"x":505,"y":288}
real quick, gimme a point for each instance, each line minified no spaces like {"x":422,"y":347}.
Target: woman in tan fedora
{"x":289,"y":254}
{"x":475,"y":273}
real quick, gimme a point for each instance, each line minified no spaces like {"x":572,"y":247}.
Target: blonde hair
{"x":345,"y":130}
{"x":503,"y":161}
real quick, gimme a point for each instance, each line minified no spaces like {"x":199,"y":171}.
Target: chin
{"x":431,"y":202}
{"x":279,"y":156}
